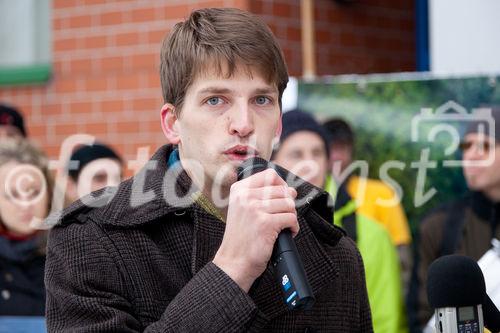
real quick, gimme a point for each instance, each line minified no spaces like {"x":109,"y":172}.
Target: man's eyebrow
{"x":214,"y":90}
{"x":221,"y":90}
{"x":265,"y":91}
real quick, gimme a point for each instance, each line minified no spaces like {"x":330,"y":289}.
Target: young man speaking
{"x":183,"y":246}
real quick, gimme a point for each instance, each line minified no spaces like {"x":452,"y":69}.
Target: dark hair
{"x":10,"y":116}
{"x":297,"y":121}
{"x":221,"y":38}
{"x":86,"y":154}
{"x":339,"y":131}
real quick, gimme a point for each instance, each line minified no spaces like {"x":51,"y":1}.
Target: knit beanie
{"x":297,"y":120}
{"x":86,"y":154}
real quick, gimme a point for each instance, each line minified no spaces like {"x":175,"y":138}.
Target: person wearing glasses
{"x":465,"y":226}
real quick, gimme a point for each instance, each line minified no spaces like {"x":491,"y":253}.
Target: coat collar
{"x":157,"y":182}
{"x":158,"y":190}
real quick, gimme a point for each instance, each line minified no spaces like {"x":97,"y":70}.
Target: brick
{"x":81,"y":66}
{"x":65,"y":129}
{"x":80,"y":107}
{"x":323,"y":36}
{"x":96,"y":128}
{"x":37,"y":131}
{"x":59,"y":23}
{"x":94,"y":42}
{"x":111,"y":18}
{"x":155,"y":37}
{"x":82,"y":21}
{"x":282,"y":9}
{"x":128,"y":81}
{"x":208,"y":4}
{"x":153,"y":81}
{"x":112,"y":64}
{"x":146,"y":104}
{"x":52,"y":151}
{"x":59,"y":66}
{"x":257,"y":7}
{"x":94,"y":2}
{"x":176,"y":11}
{"x":153,"y":126}
{"x":62,"y":86}
{"x":143,"y":14}
{"x":65,"y":44}
{"x":52,"y":109}
{"x":58,"y":4}
{"x":128,"y":127}
{"x":129,"y":38}
{"x":294,"y":34}
{"x":150,"y":60}
{"x":111,"y":106}
{"x":96,"y":84}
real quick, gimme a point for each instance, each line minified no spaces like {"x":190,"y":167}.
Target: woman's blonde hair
{"x":24,"y":152}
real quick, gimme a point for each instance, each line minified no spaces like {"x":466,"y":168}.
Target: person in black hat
{"x":465,"y":226}
{"x":92,"y":168}
{"x":11,"y":123}
{"x":308,"y":143}
{"x":303,"y":149}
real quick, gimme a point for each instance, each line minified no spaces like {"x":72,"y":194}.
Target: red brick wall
{"x":106,"y":56}
{"x":366,"y":36}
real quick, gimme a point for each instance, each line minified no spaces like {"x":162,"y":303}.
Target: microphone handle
{"x":290,"y":273}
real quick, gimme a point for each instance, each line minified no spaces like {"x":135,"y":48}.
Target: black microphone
{"x":457,"y":291}
{"x":289,"y":270}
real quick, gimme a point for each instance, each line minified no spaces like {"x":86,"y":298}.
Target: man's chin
{"x":476,"y":185}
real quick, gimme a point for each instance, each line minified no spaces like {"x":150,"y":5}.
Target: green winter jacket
{"x":381,"y":263}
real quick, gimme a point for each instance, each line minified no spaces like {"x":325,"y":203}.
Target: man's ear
{"x":169,"y":124}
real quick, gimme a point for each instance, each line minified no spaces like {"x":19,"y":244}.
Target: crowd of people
{"x":122,"y":268}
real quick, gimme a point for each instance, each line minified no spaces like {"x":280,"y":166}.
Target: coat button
{"x":9,"y":277}
{"x":5,"y":294}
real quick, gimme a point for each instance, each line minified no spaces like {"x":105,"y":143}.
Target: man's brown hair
{"x":218,"y":37}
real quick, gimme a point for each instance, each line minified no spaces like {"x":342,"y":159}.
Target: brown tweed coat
{"x":129,"y":266}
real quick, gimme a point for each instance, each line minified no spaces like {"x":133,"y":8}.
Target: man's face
{"x":8,"y":131}
{"x":224,"y":121}
{"x":477,"y":148}
{"x":95,"y":175}
{"x":304,"y":154}
{"x":340,"y":157}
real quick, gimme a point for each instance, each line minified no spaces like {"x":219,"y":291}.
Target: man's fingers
{"x":271,"y":192}
{"x":281,"y":205}
{"x":284,"y":221}
{"x":267,"y":177}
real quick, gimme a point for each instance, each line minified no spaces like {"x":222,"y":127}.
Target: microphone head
{"x":252,"y":166}
{"x":455,"y":281}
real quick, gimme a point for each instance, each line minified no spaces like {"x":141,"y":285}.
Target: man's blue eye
{"x":214,"y":101}
{"x":262,"y":100}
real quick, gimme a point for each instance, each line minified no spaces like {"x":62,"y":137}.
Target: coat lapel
{"x":208,"y":233}
{"x":320,"y":271}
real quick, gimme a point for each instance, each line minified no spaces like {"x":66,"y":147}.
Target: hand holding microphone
{"x":261,"y":223}
{"x":260,"y":207}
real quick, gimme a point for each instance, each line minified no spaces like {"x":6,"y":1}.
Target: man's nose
{"x":241,"y":120}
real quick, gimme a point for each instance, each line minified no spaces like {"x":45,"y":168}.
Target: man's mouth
{"x":240,"y":152}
